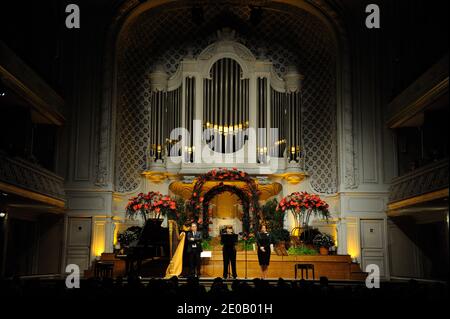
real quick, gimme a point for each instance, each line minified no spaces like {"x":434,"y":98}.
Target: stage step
{"x":150,"y":268}
{"x":333,"y":266}
{"x":357,"y":273}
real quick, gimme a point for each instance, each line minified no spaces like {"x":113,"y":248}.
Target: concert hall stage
{"x":334,"y":267}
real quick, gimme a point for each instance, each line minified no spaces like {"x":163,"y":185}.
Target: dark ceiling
{"x":414,"y":32}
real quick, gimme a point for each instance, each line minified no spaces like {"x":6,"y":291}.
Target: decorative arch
{"x":226,"y":47}
{"x":243,"y":197}
{"x":248,"y":195}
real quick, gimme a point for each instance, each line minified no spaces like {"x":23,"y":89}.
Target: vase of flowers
{"x":153,"y":204}
{"x":323,"y":242}
{"x":303,"y":205}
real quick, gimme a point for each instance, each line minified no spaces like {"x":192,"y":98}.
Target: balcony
{"x":28,"y":180}
{"x":421,"y":185}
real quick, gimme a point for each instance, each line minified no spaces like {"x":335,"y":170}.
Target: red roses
{"x":152,"y":202}
{"x":302,"y":201}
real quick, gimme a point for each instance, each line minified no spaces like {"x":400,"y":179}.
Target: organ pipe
{"x":261,"y":146}
{"x":226,"y":114}
{"x":225,"y":105}
{"x":278,"y":122}
{"x":189,"y":117}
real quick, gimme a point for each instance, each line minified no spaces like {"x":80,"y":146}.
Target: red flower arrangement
{"x":303,"y":205}
{"x":153,"y":202}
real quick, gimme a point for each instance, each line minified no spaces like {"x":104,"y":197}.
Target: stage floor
{"x":335,"y":267}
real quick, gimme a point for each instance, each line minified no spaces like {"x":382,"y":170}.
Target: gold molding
{"x":32,"y":195}
{"x":418,"y":105}
{"x":291,"y":177}
{"x":159,"y":176}
{"x":185,"y":189}
{"x":31,"y":87}
{"x":419,"y":199}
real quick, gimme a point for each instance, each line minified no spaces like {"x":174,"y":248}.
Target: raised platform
{"x":335,"y":267}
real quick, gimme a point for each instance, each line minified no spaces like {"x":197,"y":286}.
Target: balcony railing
{"x":18,"y":174}
{"x":430,"y":178}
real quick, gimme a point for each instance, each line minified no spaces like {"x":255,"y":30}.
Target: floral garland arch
{"x":197,"y":205}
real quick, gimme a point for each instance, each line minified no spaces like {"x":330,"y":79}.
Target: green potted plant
{"x":301,"y":251}
{"x":323,"y":242}
{"x":273,"y":219}
{"x":282,"y":241}
{"x":248,"y":244}
{"x":129,"y":235}
{"x":308,"y":235}
{"x":281,"y":236}
{"x":206,"y":244}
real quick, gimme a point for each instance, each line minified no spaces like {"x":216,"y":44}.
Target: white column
{"x":64,"y":245}
{"x":342,"y":236}
{"x":109,"y":235}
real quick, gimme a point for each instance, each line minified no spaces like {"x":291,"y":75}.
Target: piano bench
{"x":104,"y":269}
{"x":304,"y":267}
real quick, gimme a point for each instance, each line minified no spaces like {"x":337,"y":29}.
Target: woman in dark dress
{"x":263,"y":241}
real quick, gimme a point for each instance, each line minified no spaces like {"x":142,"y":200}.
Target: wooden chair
{"x":303,"y":267}
{"x":104,"y":269}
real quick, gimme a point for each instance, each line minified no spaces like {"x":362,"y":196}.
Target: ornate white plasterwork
{"x":29,"y":176}
{"x":346,"y":144}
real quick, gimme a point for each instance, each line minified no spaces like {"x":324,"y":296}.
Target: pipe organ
{"x":225,"y":107}
{"x":228,"y":105}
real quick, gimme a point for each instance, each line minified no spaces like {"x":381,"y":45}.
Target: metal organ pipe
{"x":190,"y":105}
{"x":205,"y":94}
{"x":158,"y":133}
{"x":226,"y":105}
{"x":239,"y":111}
{"x":172,"y":118}
{"x":165,"y":114}
{"x":236,"y":130}
{"x":216,"y":106}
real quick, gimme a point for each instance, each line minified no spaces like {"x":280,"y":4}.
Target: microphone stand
{"x":245,"y":238}
{"x":245,"y":247}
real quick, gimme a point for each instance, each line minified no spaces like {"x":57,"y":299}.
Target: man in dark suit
{"x":193,"y":249}
{"x":229,"y":239}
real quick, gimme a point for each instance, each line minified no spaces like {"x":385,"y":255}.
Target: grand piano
{"x":152,"y":247}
